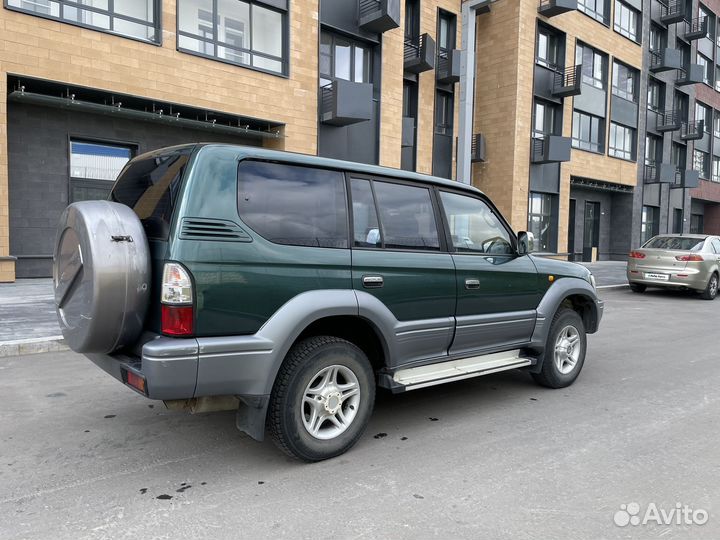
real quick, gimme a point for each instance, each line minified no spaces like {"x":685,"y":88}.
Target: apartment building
{"x":88,"y":85}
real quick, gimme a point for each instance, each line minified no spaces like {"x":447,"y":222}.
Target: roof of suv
{"x":304,"y":159}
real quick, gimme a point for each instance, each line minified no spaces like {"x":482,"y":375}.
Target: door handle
{"x":472,"y":283}
{"x":372,"y":282}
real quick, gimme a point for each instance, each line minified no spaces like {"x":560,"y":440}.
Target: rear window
{"x":150,"y":187}
{"x":676,"y":243}
{"x":293,"y":205}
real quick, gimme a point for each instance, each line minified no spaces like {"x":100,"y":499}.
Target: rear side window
{"x":150,"y":186}
{"x":676,"y":243}
{"x":293,"y":205}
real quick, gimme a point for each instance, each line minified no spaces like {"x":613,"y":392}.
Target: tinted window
{"x":407,"y":217}
{"x":287,"y":204}
{"x":150,"y":187}
{"x":675,"y":243}
{"x":474,"y":227}
{"x":715,"y":245}
{"x":365,"y":222}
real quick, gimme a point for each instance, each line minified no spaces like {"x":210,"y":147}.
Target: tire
{"x":638,"y":287}
{"x":566,"y":324}
{"x":101,"y":276}
{"x":299,"y":389}
{"x":711,"y":289}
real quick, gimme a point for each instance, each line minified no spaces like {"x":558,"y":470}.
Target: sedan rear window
{"x":676,"y":243}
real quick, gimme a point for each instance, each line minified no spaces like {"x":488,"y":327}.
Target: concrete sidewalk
{"x":28,"y":323}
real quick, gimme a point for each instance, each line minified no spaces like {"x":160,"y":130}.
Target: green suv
{"x":288,"y":287}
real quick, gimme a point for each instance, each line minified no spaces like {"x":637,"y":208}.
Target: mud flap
{"x":251,"y":415}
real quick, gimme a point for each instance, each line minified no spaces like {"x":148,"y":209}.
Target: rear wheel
{"x":564,"y":350}
{"x":322,"y":399}
{"x":711,"y":289}
{"x":637,"y":287}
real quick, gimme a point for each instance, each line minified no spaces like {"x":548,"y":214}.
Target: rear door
{"x":498,"y":291}
{"x":398,"y":258}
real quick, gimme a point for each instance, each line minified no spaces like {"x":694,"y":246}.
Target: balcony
{"x":665,"y":60}
{"x":343,"y":103}
{"x":550,"y":8}
{"x":477,"y":148}
{"x":692,"y":131}
{"x":696,"y":28}
{"x":664,"y":173}
{"x":448,"y":66}
{"x":379,"y":15}
{"x":687,"y":178}
{"x":408,"y":132}
{"x":673,"y":12}
{"x":669,"y":121}
{"x":550,"y":149}
{"x":567,"y":82}
{"x":693,"y":74}
{"x":419,"y":53}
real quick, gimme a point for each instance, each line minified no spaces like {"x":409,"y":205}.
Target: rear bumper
{"x":176,"y":368}
{"x":689,"y":278}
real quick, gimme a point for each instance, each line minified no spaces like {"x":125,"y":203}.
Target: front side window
{"x":292,"y":205}
{"x":587,"y":132}
{"x":701,"y":163}
{"x":474,"y":228}
{"x":626,"y":20}
{"x":594,"y":65}
{"x":344,"y":58}
{"x":139,"y":19}
{"x":597,"y":9}
{"x":622,"y":141}
{"x":94,"y":167}
{"x":624,"y":82}
{"x":245,"y":33}
{"x":540,"y":220}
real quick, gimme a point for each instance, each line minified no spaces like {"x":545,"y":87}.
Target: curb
{"x":32,"y":346}
{"x":620,"y":286}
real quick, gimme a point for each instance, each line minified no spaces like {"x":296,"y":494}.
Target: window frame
{"x":284,"y":59}
{"x":437,"y":212}
{"x":596,"y":54}
{"x":702,"y":112}
{"x":577,"y":142}
{"x":616,"y":151}
{"x":655,"y":223}
{"x":354,"y":45}
{"x":618,"y":68}
{"x":603,"y":18}
{"x":705,"y":170}
{"x":715,"y":172}
{"x":620,"y":29}
{"x":156,"y":24}
{"x":552,"y":36}
{"x":654,"y":83}
{"x":706,"y":64}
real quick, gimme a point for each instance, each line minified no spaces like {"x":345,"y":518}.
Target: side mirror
{"x":523,"y":243}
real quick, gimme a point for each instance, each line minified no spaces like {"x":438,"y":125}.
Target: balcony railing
{"x":692,"y":74}
{"x":650,"y":173}
{"x":692,"y":131}
{"x":673,"y":11}
{"x":344,"y":102}
{"x":419,"y":53}
{"x":696,"y":28}
{"x":379,"y":15}
{"x":448,"y":66}
{"x":665,"y":60}
{"x":567,"y":82}
{"x":663,"y":172}
{"x":550,"y":149}
{"x":550,"y":8}
{"x":669,"y":120}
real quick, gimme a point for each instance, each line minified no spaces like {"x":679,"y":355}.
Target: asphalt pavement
{"x":494,"y":457}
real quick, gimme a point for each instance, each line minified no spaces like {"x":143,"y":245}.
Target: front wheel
{"x":564,"y":350}
{"x":711,"y":289}
{"x":322,"y":399}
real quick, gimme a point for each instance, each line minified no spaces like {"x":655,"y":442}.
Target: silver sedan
{"x":682,"y":261}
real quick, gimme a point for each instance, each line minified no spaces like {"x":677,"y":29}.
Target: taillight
{"x":689,"y":258}
{"x":177,"y":301}
{"x":636,"y":255}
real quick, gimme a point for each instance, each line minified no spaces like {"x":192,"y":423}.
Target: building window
{"x":594,"y":65}
{"x":545,"y":119}
{"x":677,"y":220}
{"x":657,"y":38}
{"x":587,"y":132}
{"x":707,"y":68}
{"x":444,"y":107}
{"x":626,"y":21}
{"x":344,"y":58}
{"x":549,"y":49}
{"x":701,"y":163}
{"x":704,"y":113}
{"x":94,"y":167}
{"x":679,"y":156}
{"x":704,"y":13}
{"x":622,"y":142}
{"x":623,"y":81}
{"x":697,"y":225}
{"x":717,"y":78}
{"x":654,"y":101}
{"x":715,"y":169}
{"x":540,"y":221}
{"x":138,"y":19}
{"x":650,"y":225}
{"x":653,"y":146}
{"x":716,"y":124}
{"x":245,"y":33}
{"x":681,"y":104}
{"x":597,"y":9}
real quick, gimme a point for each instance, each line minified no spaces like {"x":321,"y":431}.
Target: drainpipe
{"x":470,"y":10}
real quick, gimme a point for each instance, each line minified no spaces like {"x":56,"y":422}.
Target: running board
{"x":456,"y":370}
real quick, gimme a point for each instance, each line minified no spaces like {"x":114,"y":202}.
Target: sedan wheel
{"x":711,"y":290}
